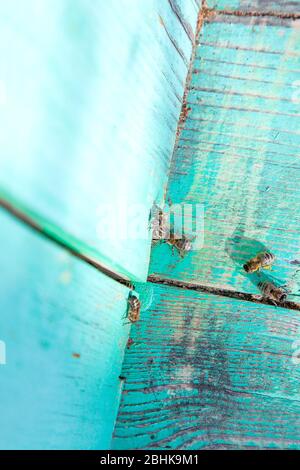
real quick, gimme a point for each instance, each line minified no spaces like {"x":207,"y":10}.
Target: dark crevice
{"x":185,"y":108}
{"x":221,"y":292}
{"x":261,"y":14}
{"x":209,"y":13}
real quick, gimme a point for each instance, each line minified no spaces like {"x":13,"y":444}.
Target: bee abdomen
{"x":134,"y":308}
{"x":134,"y":302}
{"x":186,"y":245}
{"x":267,"y":258}
{"x":272,"y":292}
{"x":183,"y":244}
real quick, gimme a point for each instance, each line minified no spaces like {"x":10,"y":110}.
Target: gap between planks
{"x":233,"y":294}
{"x":209,"y":13}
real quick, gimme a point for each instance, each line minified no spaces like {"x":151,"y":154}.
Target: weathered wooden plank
{"x":90,"y":95}
{"x":238,"y":155}
{"x":205,"y":371}
{"x":62,"y":324}
{"x":283,"y":6}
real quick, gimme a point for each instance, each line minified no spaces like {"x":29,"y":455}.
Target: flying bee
{"x":262,"y":260}
{"x":134,"y":308}
{"x":183,"y":244}
{"x":272,"y":292}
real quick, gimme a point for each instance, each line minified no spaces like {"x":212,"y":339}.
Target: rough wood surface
{"x":64,"y":328}
{"x":238,"y":154}
{"x":205,"y":372}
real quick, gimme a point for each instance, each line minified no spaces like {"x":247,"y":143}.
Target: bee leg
{"x":125,"y":316}
{"x":266,"y":298}
{"x":267,"y":267}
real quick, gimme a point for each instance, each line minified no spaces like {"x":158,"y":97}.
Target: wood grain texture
{"x":90,"y":95}
{"x":65,"y":334}
{"x":238,"y":155}
{"x":207,"y":372}
{"x":279,"y":6}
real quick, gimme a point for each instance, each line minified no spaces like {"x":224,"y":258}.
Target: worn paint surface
{"x":64,"y":330}
{"x":238,"y":154}
{"x":201,"y":371}
{"x":90,"y":95}
{"x":206,"y":372}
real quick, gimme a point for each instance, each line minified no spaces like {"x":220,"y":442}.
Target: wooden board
{"x":209,"y":372}
{"x":63,"y":327}
{"x":90,"y":95}
{"x":238,"y":154}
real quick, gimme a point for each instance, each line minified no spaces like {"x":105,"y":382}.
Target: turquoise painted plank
{"x":62,"y":323}
{"x":238,"y":155}
{"x":284,"y":6}
{"x":90,"y":95}
{"x":209,"y":372}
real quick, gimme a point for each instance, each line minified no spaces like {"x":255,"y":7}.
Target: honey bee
{"x":134,"y":308}
{"x":272,"y":292}
{"x":262,"y":260}
{"x":183,"y":244}
{"x":162,"y":232}
{"x":159,"y":223}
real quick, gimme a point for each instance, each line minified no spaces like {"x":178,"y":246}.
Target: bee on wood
{"x":183,"y":244}
{"x":163,"y":233}
{"x":262,"y":260}
{"x":134,"y":308}
{"x":272,"y":292}
{"x":159,"y":222}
